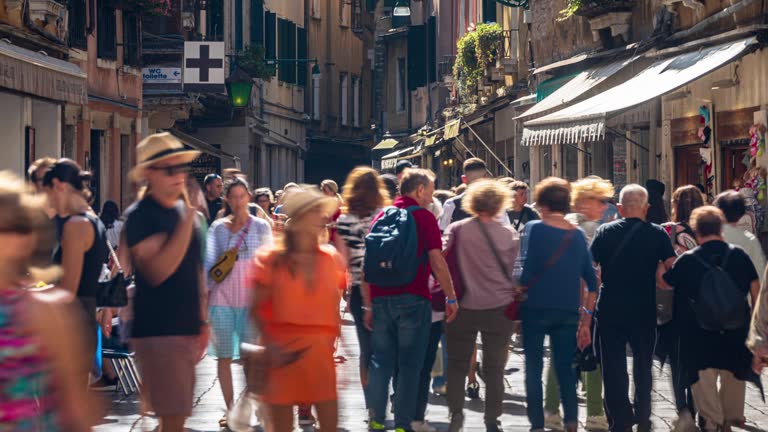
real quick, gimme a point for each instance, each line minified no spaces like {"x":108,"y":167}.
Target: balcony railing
{"x":509,"y":44}
{"x":445,"y":67}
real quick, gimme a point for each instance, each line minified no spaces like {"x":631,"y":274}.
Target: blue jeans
{"x":401,"y":327}
{"x":561,"y":327}
{"x":426,"y":370}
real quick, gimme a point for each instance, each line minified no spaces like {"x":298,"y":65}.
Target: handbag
{"x":114,"y":292}
{"x":451,"y":255}
{"x":226,"y":261}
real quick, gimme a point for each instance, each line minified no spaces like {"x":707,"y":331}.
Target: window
{"x":257,"y":22}
{"x":301,"y":53}
{"x":106,"y":33}
{"x":345,"y":13}
{"x":314,"y":10}
{"x":489,"y":11}
{"x":400,"y":82}
{"x":131,"y":39}
{"x":316,"y":97}
{"x":417,"y":60}
{"x":344,"y":105}
{"x":355,"y":101}
{"x":238,"y":18}
{"x":77,"y":24}
{"x":215,"y":20}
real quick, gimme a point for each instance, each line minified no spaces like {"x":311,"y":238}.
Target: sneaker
{"x":597,"y":423}
{"x":440,"y":390}
{"x":493,"y":426}
{"x":305,"y":416}
{"x":473,"y":390}
{"x":553,"y":421}
{"x":422,"y":426}
{"x":684,"y":422}
{"x":457,"y":422}
{"x":376,"y":426}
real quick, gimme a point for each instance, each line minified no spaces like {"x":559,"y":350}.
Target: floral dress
{"x":27,"y":398}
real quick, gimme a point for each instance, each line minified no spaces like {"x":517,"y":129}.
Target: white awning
{"x":585,"y":121}
{"x":390,"y":160}
{"x":576,"y":87}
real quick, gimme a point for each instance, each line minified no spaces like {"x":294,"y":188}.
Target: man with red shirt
{"x":401,"y":317}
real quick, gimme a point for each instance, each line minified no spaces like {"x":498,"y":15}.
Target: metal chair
{"x":128,"y":378}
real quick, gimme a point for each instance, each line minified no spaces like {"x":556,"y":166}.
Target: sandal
{"x":223,"y":422}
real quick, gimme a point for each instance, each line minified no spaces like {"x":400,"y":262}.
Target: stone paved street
{"x":123,"y":414}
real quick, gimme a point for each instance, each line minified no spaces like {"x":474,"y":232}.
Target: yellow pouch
{"x":224,"y":265}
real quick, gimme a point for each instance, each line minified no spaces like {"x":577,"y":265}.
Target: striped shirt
{"x":353,"y":230}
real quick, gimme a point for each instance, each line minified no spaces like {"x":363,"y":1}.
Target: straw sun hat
{"x":299,"y":201}
{"x":157,"y":148}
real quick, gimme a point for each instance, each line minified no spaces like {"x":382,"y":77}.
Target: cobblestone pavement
{"x":123,"y":411}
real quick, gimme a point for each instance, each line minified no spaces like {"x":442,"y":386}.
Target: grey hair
{"x":633,"y":196}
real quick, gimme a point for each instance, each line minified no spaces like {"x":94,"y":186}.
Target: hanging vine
{"x":475,"y":51}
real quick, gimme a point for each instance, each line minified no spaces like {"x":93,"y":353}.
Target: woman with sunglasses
{"x":41,"y":355}
{"x":229,"y":299}
{"x":82,"y":239}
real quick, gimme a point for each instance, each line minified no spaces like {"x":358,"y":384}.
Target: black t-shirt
{"x":628,"y":292}
{"x":707,"y":349}
{"x":519,"y":219}
{"x":173,"y":308}
{"x":213,"y":209}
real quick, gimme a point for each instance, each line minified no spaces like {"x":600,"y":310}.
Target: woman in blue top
{"x":555,"y":259}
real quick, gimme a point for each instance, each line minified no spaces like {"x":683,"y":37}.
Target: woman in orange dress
{"x":298,"y":288}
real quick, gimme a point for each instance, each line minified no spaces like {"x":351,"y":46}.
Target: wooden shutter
{"x":301,"y":53}
{"x":257,"y":22}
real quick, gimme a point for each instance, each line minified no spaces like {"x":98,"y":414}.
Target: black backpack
{"x":720,"y":305}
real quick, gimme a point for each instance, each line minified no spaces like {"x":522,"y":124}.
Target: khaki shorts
{"x":167,"y":367}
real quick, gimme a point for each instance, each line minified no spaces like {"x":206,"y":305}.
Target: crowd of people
{"x":423,"y":273}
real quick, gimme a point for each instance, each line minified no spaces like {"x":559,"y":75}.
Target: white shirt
{"x":450,"y":206}
{"x":751,"y":245}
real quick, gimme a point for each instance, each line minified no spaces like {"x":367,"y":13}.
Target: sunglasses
{"x":173,"y":170}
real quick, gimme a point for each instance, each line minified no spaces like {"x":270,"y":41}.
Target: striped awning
{"x":585,"y":121}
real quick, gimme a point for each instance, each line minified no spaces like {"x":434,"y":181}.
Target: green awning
{"x":547,"y":87}
{"x":386,"y":144}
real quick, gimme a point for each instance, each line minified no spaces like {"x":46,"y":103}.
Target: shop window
{"x":106,"y":33}
{"x":344,"y":105}
{"x":570,"y":162}
{"x":77,"y":25}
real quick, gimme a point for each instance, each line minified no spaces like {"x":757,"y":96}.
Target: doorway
{"x":734,"y":166}
{"x":689,"y":169}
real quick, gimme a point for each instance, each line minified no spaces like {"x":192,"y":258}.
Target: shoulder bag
{"x":512,"y":310}
{"x":226,"y":261}
{"x":114,"y":292}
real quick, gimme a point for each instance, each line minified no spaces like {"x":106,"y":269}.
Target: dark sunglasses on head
{"x":172,"y":170}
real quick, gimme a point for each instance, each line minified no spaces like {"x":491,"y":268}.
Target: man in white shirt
{"x":474,"y":169}
{"x":733,"y":206}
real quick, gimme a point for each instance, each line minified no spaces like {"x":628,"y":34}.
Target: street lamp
{"x":239,"y":87}
{"x":402,"y":8}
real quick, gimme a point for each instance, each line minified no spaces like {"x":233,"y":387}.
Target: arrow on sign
{"x":176,"y":73}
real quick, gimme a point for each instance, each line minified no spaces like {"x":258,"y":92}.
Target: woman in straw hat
{"x":169,"y":327}
{"x":41,"y":355}
{"x":298,"y":288}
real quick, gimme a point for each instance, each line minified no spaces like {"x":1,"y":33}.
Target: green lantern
{"x":239,"y":87}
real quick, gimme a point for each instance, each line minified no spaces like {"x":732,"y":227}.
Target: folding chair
{"x":128,"y":377}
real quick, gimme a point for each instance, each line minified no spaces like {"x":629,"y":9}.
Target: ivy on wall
{"x":476,"y":50}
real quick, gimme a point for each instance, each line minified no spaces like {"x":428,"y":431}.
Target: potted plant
{"x":595,"y":8}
